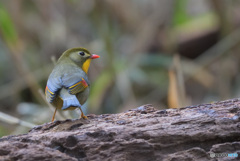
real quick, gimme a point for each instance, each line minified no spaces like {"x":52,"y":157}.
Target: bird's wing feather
{"x":75,"y":82}
{"x":78,"y":87}
{"x":53,"y":86}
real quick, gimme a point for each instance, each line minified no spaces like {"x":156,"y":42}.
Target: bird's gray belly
{"x":83,"y":96}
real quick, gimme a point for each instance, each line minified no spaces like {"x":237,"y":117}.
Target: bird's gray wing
{"x":75,"y":82}
{"x":54,"y":84}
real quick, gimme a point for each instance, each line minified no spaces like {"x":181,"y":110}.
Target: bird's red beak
{"x":94,"y":56}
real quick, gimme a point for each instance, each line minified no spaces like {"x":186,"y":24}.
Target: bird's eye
{"x":81,"y":53}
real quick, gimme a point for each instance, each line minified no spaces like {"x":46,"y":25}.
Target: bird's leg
{"x":54,"y":114}
{"x":82,"y":114}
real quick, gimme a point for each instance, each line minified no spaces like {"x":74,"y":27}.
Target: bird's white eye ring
{"x":81,"y":53}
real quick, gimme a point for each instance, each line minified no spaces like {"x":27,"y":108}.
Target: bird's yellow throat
{"x":86,"y":65}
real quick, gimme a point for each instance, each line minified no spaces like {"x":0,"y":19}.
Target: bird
{"x":68,"y":84}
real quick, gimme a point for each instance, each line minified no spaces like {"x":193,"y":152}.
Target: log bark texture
{"x":145,"y":133}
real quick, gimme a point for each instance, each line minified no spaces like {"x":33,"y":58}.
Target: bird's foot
{"x":83,"y":116}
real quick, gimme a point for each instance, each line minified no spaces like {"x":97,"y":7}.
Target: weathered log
{"x":145,"y":133}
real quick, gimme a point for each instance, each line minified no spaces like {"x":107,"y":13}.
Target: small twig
{"x":54,"y":60}
{"x":13,"y":120}
{"x":180,"y":80}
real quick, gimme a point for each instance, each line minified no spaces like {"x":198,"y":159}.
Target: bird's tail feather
{"x":70,"y":102}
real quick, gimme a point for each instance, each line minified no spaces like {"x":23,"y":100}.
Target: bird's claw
{"x":83,"y":116}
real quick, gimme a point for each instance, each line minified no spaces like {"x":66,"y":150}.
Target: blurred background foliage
{"x":169,"y":53}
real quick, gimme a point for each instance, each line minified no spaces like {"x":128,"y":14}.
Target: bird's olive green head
{"x":80,"y":56}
